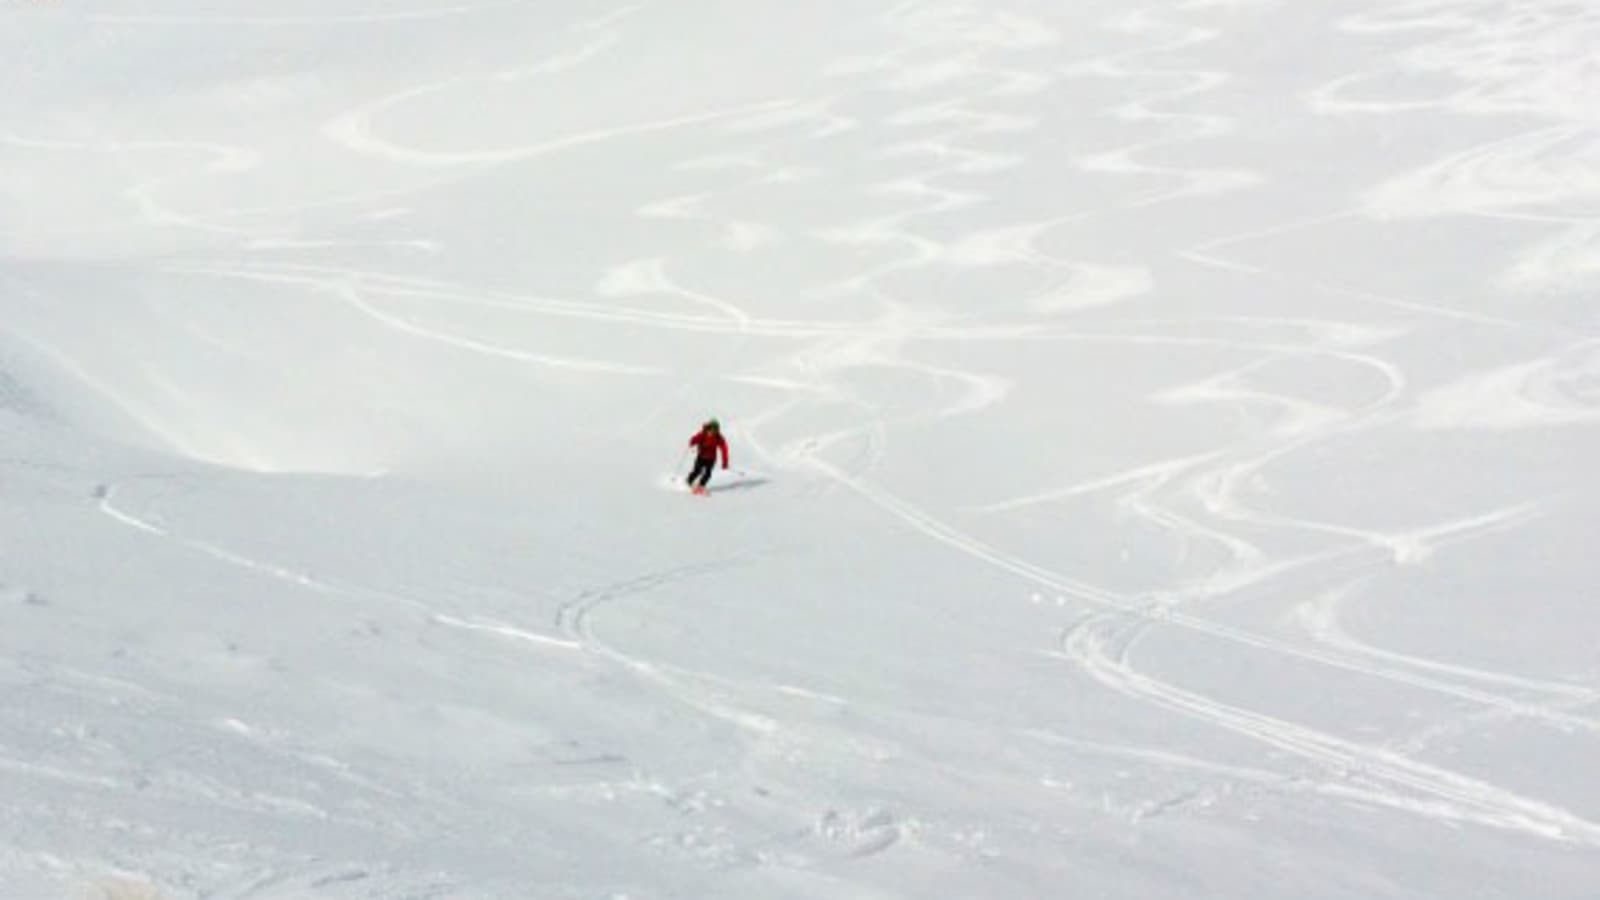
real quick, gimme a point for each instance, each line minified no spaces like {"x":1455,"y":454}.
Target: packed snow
{"x":1163,"y":449}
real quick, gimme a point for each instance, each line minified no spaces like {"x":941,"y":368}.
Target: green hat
{"x":714,"y":424}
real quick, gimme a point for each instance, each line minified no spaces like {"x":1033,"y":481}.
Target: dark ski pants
{"x":701,"y":473}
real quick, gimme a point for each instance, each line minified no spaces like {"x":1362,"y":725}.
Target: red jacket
{"x":709,"y":443}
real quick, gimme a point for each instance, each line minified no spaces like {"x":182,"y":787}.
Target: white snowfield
{"x":1164,"y":449}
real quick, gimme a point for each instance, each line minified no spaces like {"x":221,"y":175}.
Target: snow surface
{"x":1164,"y":446}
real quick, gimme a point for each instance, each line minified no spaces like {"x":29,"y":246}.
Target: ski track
{"x":1445,"y":795}
{"x":1200,"y":498}
{"x":105,"y":496}
{"x":225,"y":159}
{"x":354,"y":131}
{"x":1213,"y":480}
{"x":1402,"y":783}
{"x":397,"y":323}
{"x":572,"y":617}
{"x":417,"y":15}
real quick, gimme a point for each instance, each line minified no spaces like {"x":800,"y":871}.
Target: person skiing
{"x":707,"y":442}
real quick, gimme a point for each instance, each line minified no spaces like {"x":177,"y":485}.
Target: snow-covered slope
{"x":1163,"y":449}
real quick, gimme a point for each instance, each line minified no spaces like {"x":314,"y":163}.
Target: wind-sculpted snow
{"x":1162,"y":450}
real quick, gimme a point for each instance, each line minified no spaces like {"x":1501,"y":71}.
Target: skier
{"x":707,"y":442}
